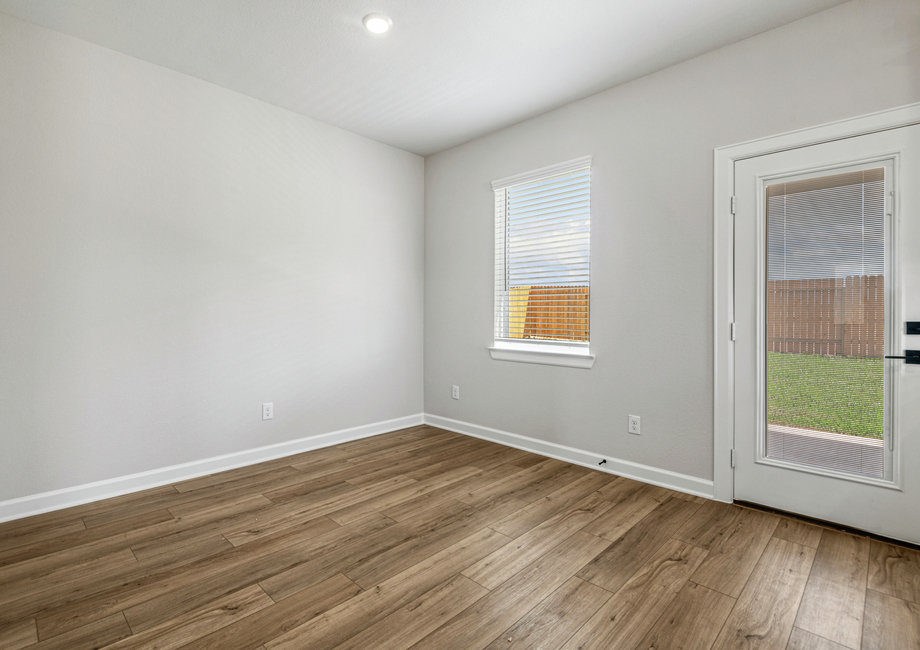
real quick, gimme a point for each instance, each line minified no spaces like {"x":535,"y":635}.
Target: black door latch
{"x":910,"y":356}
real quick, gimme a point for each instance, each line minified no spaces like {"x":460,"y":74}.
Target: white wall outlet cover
{"x":634,"y":425}
{"x":455,"y":392}
{"x":268,"y":411}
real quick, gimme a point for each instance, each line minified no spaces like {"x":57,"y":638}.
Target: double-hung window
{"x":543,"y":266}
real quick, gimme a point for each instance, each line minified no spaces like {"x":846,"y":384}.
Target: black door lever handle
{"x":910,"y":356}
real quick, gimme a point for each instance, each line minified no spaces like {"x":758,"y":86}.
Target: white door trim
{"x":723,"y":262}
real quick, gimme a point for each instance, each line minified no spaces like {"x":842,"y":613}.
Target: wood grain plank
{"x":505,"y":456}
{"x":412,"y":622}
{"x":410,"y":444}
{"x":150,"y":499}
{"x":250,"y":632}
{"x":447,"y":456}
{"x":354,"y":449}
{"x":203,"y":583}
{"x":693,"y":498}
{"x":109,"y":516}
{"x":90,"y":593}
{"x":82,"y":536}
{"x":499,"y":566}
{"x":64,"y":578}
{"x":708,"y":525}
{"x":314,"y":484}
{"x":229,"y":477}
{"x":180,"y":504}
{"x":445,"y":495}
{"x":71,"y":615}
{"x":691,"y":622}
{"x":894,"y":570}
{"x":623,"y":488}
{"x":312,"y":509}
{"x":526,"y":459}
{"x":18,"y":634}
{"x":733,"y":558}
{"x":324,"y":454}
{"x":185,"y":583}
{"x":554,"y":620}
{"x":798,"y":532}
{"x":835,"y":595}
{"x":354,"y":615}
{"x":12,"y":536}
{"x":206,"y":498}
{"x":89,"y":637}
{"x":890,"y":623}
{"x":345,"y":555}
{"x":764,"y":614}
{"x":373,"y":570}
{"x":199,"y":622}
{"x":39,"y":560}
{"x":70,"y":519}
{"x":469,"y":456}
{"x":315,"y":470}
{"x":393,"y":498}
{"x":384,"y":470}
{"x":624,"y":620}
{"x":448,"y":448}
{"x":550,"y":483}
{"x":632,"y":501}
{"x":129,"y":511}
{"x":438,"y":441}
{"x":488,"y":617}
{"x":217,"y":521}
{"x":511,"y":482}
{"x":318,"y":467}
{"x":615,"y":566}
{"x":89,"y":586}
{"x":520,"y":522}
{"x":802,"y":640}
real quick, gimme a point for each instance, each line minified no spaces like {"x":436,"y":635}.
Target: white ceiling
{"x":448,"y":71}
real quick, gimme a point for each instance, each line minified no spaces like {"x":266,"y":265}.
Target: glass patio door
{"x":825,"y":320}
{"x":827,"y":247}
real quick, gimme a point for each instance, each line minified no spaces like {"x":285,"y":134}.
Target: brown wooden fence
{"x":835,"y":316}
{"x":551,"y":312}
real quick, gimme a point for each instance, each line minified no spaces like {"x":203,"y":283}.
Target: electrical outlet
{"x":455,"y":392}
{"x":634,"y":424}
{"x":268,"y":411}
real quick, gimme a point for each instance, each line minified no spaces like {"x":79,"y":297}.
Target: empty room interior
{"x":415,"y":324}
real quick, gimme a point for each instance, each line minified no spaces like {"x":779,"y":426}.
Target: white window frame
{"x":569,"y":354}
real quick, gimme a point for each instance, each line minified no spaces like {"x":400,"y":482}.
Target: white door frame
{"x":723,"y":263}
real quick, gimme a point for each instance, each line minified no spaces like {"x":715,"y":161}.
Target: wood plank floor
{"x":425,"y":539}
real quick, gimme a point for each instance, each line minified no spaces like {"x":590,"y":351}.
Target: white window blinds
{"x":543,"y":254}
{"x":825,"y":308}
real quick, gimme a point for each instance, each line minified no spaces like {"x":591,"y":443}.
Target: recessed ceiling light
{"x":377,"y":23}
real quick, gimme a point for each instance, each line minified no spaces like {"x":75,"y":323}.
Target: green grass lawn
{"x":838,"y":394}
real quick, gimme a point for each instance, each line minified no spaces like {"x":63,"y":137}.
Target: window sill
{"x":546,"y":356}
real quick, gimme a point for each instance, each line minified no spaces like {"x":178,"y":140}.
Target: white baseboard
{"x":645,"y":473}
{"x":73,"y":496}
{"x":38,"y":503}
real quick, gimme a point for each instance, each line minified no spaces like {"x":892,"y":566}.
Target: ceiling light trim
{"x":377,"y":23}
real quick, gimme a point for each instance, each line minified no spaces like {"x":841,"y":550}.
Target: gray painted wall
{"x":652,"y":142}
{"x":173,"y":254}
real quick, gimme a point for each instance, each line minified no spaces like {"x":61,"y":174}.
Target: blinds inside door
{"x":543,"y":230}
{"x":826,"y":321}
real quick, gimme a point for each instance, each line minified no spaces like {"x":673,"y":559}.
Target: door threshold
{"x":828,"y":524}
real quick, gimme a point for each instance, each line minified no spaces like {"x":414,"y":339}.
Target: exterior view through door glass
{"x":825,"y":312}
{"x":827,"y":256}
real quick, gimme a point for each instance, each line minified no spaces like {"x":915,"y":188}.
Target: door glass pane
{"x":825,"y":330}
